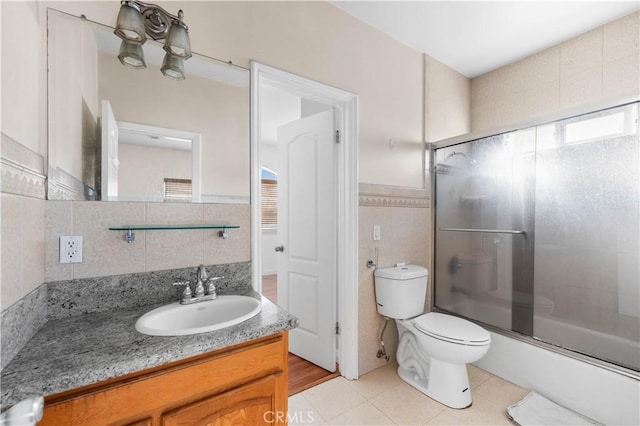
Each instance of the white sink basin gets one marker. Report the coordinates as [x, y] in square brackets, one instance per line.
[179, 320]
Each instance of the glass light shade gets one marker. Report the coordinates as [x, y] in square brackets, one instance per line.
[173, 67]
[131, 55]
[177, 42]
[130, 25]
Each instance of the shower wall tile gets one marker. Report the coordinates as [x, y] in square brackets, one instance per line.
[622, 75]
[581, 53]
[621, 38]
[594, 66]
[542, 98]
[542, 67]
[581, 88]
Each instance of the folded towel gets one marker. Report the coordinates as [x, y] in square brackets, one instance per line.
[537, 410]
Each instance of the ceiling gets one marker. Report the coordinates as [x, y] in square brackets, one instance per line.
[475, 37]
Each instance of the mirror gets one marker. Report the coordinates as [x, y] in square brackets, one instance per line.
[120, 134]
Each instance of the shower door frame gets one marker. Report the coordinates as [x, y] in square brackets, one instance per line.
[469, 137]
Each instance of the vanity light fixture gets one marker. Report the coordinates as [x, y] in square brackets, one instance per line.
[137, 20]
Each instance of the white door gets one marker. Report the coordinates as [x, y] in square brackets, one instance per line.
[307, 235]
[110, 162]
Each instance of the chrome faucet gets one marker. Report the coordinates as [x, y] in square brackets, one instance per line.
[205, 288]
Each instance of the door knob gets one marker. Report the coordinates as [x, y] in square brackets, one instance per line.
[280, 248]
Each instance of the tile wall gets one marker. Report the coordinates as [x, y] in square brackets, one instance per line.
[596, 66]
[107, 253]
[405, 233]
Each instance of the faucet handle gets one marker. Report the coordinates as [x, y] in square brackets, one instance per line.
[187, 288]
[211, 288]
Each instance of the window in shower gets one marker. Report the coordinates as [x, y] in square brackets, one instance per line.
[538, 230]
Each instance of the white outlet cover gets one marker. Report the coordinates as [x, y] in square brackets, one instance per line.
[70, 249]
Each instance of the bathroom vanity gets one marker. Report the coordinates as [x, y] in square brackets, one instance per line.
[245, 383]
[96, 369]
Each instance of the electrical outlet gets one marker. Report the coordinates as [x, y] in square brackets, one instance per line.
[70, 249]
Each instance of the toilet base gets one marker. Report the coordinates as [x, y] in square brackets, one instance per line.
[446, 383]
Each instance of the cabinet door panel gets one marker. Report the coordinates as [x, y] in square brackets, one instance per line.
[250, 404]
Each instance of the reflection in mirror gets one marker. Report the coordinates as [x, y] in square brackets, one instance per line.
[120, 134]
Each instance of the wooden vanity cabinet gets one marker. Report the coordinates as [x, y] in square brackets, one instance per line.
[244, 384]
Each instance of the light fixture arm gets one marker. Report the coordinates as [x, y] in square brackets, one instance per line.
[157, 21]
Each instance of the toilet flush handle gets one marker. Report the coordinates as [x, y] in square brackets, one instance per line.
[280, 248]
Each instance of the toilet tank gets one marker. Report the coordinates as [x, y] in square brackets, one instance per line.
[401, 290]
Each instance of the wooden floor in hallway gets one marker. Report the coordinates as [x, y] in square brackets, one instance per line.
[302, 373]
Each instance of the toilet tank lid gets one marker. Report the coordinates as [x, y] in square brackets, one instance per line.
[402, 272]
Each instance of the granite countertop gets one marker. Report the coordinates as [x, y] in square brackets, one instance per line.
[80, 350]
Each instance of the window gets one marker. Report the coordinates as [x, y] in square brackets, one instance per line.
[177, 190]
[269, 197]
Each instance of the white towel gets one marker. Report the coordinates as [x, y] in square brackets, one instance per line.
[537, 410]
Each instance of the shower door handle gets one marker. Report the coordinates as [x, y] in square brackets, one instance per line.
[486, 231]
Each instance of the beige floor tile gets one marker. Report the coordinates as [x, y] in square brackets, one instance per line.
[407, 406]
[477, 376]
[302, 413]
[499, 393]
[333, 398]
[444, 419]
[490, 402]
[363, 414]
[377, 381]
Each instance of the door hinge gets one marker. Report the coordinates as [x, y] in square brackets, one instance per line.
[337, 136]
[337, 327]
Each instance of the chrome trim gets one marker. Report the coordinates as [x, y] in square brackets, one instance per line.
[485, 231]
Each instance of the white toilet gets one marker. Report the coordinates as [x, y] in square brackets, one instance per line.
[433, 348]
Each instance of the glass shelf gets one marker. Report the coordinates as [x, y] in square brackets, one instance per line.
[169, 227]
[130, 237]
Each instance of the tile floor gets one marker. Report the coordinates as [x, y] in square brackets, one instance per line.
[381, 398]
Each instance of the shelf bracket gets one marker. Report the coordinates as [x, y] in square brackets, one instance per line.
[130, 236]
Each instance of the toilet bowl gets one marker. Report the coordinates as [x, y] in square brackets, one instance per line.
[433, 348]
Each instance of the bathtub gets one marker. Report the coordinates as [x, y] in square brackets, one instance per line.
[602, 394]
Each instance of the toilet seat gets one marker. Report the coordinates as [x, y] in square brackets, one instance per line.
[451, 329]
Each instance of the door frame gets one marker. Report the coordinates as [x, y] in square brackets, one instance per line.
[346, 105]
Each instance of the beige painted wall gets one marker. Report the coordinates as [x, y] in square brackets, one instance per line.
[596, 66]
[143, 169]
[23, 83]
[219, 112]
[73, 94]
[447, 101]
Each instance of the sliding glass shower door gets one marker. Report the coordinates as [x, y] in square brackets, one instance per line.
[538, 231]
[484, 229]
